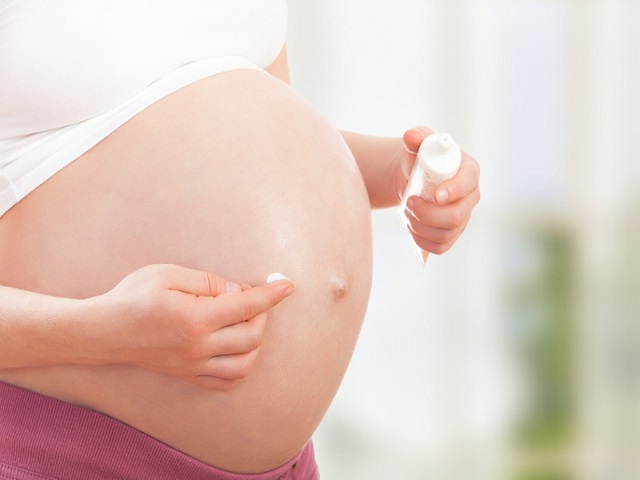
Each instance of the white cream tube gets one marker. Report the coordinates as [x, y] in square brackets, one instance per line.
[438, 159]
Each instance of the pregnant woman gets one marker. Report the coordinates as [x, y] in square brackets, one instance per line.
[156, 167]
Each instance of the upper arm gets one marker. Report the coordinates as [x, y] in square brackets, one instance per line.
[280, 66]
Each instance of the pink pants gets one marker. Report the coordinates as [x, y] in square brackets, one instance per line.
[42, 438]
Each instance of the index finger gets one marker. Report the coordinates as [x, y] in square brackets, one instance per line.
[240, 306]
[461, 184]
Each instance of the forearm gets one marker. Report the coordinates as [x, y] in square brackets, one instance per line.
[40, 330]
[377, 158]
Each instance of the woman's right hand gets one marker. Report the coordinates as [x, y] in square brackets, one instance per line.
[186, 323]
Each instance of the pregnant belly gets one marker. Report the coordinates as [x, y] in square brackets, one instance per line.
[238, 175]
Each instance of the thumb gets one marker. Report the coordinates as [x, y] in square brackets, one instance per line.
[413, 138]
[194, 282]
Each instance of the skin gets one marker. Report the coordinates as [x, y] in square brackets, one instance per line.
[109, 296]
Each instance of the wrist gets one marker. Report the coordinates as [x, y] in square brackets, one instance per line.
[400, 171]
[70, 334]
[94, 325]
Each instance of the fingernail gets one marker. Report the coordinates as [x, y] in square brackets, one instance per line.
[408, 150]
[232, 287]
[410, 204]
[442, 196]
[274, 277]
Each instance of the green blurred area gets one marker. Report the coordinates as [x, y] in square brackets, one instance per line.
[544, 475]
[571, 305]
[539, 299]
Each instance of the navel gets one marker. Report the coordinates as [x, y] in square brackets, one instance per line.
[340, 285]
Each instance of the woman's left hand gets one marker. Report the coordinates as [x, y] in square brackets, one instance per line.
[435, 226]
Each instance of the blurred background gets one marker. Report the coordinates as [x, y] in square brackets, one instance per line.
[516, 355]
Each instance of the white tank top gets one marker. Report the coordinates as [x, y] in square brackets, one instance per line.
[72, 71]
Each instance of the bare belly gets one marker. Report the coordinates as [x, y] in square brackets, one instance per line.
[238, 175]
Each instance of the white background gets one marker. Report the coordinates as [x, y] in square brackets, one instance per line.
[545, 95]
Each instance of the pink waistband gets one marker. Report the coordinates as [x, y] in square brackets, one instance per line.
[43, 438]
